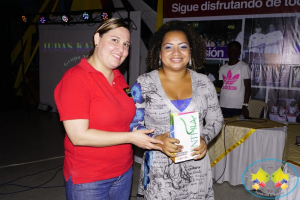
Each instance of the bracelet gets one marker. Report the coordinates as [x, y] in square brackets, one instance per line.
[245, 104]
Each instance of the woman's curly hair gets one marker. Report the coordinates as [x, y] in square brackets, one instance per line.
[197, 45]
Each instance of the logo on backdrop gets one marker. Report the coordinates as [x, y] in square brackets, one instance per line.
[266, 179]
[66, 47]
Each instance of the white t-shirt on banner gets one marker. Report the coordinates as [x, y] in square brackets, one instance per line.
[256, 39]
[233, 89]
[273, 37]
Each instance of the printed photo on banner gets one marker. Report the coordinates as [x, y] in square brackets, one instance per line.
[271, 75]
[284, 105]
[296, 77]
[269, 40]
[217, 35]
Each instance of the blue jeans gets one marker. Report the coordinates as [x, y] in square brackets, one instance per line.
[117, 188]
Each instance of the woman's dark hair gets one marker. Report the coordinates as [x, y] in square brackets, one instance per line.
[106, 26]
[196, 44]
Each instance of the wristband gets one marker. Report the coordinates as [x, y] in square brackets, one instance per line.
[245, 104]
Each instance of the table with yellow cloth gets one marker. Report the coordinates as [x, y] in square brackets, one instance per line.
[246, 142]
[291, 155]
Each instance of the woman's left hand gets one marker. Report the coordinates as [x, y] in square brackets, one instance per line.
[200, 151]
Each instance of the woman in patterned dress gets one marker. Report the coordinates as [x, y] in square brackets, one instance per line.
[174, 54]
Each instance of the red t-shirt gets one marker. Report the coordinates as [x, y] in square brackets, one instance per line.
[85, 93]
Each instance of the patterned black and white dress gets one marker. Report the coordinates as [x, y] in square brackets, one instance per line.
[160, 178]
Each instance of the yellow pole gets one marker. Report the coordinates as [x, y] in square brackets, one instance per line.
[28, 37]
[15, 52]
[159, 14]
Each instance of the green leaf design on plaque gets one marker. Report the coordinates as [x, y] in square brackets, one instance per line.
[194, 127]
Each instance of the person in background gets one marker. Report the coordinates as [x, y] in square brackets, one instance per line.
[292, 109]
[273, 45]
[95, 104]
[255, 45]
[223, 43]
[282, 108]
[212, 43]
[236, 89]
[207, 40]
[173, 86]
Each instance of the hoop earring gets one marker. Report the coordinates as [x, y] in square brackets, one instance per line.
[190, 62]
[159, 62]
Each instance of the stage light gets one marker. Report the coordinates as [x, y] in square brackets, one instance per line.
[85, 16]
[24, 19]
[43, 20]
[65, 18]
[231, 27]
[104, 16]
[195, 24]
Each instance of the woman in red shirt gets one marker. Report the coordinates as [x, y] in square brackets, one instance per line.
[95, 104]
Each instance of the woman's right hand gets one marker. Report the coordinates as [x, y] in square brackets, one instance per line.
[169, 147]
[141, 139]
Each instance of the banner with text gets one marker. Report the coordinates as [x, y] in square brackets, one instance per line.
[196, 8]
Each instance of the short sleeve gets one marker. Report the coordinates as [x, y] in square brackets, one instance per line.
[246, 73]
[220, 74]
[72, 97]
[251, 37]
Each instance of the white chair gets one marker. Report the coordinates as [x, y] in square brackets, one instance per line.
[255, 108]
